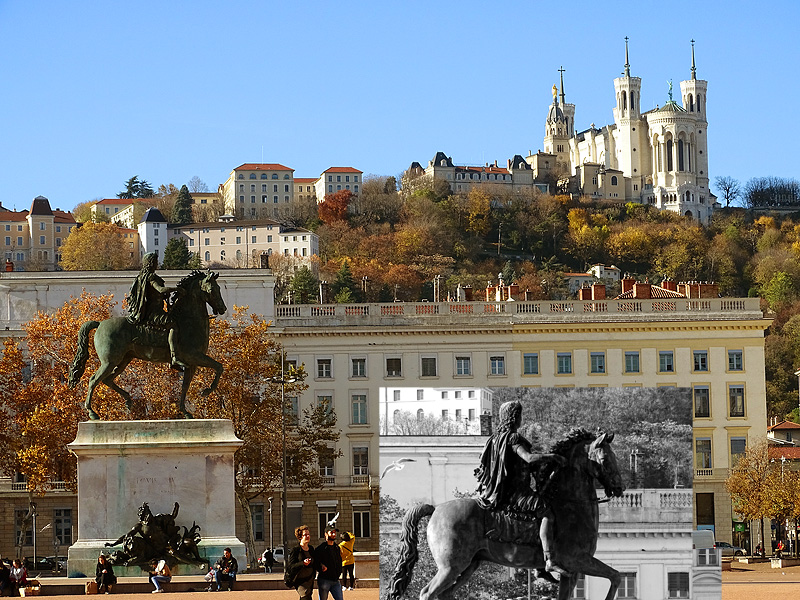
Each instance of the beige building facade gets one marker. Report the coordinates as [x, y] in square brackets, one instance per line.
[258, 190]
[32, 239]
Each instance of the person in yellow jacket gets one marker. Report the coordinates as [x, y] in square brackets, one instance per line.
[348, 560]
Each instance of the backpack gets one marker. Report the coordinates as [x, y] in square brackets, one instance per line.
[288, 579]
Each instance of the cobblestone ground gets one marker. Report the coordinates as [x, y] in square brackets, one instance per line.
[760, 580]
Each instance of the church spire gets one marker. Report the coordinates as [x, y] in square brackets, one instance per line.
[694, 70]
[561, 70]
[627, 62]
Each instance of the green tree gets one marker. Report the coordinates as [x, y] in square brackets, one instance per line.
[182, 209]
[304, 285]
[749, 484]
[344, 288]
[177, 255]
[135, 188]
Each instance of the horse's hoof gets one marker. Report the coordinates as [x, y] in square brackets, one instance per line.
[93, 416]
[187, 415]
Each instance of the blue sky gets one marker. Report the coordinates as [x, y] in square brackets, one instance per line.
[96, 92]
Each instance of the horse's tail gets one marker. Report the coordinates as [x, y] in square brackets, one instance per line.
[404, 566]
[78, 365]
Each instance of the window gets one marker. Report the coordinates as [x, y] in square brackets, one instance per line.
[324, 368]
[471, 414]
[665, 364]
[41, 240]
[707, 557]
[420, 395]
[257, 511]
[735, 362]
[361, 523]
[598, 360]
[428, 364]
[292, 410]
[631, 362]
[701, 361]
[326, 463]
[702, 405]
[445, 414]
[564, 363]
[19, 515]
[678, 585]
[359, 404]
[62, 521]
[736, 397]
[497, 365]
[396, 395]
[738, 448]
[530, 364]
[361, 460]
[8, 240]
[359, 367]
[463, 366]
[394, 367]
[324, 517]
[703, 453]
[444, 395]
[627, 587]
[42, 227]
[458, 414]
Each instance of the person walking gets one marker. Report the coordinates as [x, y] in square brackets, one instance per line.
[300, 566]
[329, 565]
[348, 560]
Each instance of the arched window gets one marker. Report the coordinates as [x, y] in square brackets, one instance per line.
[688, 196]
[691, 103]
[222, 254]
[252, 175]
[624, 100]
[633, 98]
[263, 176]
[698, 103]
[395, 414]
[688, 213]
[669, 155]
[286, 176]
[420, 414]
[208, 256]
[274, 175]
[680, 155]
[241, 176]
[613, 180]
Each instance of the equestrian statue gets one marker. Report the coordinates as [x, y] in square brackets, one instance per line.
[533, 511]
[178, 335]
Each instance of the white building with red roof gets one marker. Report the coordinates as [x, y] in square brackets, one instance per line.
[110, 207]
[336, 179]
[258, 190]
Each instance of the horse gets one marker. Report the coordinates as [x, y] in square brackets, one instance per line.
[457, 530]
[118, 341]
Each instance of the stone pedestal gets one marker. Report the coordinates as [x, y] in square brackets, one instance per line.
[122, 464]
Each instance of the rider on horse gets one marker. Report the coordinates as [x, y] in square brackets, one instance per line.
[504, 477]
[146, 304]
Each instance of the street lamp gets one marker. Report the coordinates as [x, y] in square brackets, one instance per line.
[282, 381]
[271, 545]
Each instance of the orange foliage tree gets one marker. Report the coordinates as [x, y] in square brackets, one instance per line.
[334, 206]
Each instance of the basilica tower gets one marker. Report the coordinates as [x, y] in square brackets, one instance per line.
[693, 94]
[630, 138]
[559, 127]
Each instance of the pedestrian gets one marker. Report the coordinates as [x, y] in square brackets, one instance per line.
[329, 565]
[268, 559]
[226, 569]
[18, 576]
[104, 575]
[300, 566]
[348, 560]
[159, 574]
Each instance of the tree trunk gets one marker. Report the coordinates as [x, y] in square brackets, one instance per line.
[249, 542]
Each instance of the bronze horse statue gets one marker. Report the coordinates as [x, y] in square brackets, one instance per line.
[118, 341]
[457, 531]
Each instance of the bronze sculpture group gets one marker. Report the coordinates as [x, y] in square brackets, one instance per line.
[156, 537]
[178, 336]
[505, 524]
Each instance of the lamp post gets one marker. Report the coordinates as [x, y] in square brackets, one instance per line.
[271, 545]
[282, 381]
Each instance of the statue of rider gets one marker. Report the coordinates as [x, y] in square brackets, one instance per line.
[146, 305]
[504, 477]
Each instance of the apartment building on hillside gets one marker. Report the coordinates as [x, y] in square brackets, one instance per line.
[32, 239]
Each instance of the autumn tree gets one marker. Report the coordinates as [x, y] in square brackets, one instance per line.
[96, 247]
[177, 255]
[136, 188]
[182, 208]
[334, 206]
[252, 395]
[749, 483]
[83, 210]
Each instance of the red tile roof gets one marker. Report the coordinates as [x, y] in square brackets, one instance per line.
[305, 179]
[788, 452]
[262, 167]
[489, 169]
[125, 201]
[342, 170]
[784, 425]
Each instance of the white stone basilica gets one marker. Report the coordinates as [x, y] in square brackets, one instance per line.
[658, 157]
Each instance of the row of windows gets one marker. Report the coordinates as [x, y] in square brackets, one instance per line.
[361, 522]
[677, 586]
[339, 188]
[42, 227]
[472, 414]
[62, 526]
[702, 401]
[530, 364]
[21, 241]
[264, 199]
[346, 178]
[703, 457]
[265, 176]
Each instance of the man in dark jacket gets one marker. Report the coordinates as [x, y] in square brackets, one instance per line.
[226, 569]
[328, 558]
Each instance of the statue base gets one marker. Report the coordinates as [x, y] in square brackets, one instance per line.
[122, 464]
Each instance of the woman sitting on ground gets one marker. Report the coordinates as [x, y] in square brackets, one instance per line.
[19, 576]
[105, 577]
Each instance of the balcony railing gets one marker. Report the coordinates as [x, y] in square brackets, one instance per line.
[398, 313]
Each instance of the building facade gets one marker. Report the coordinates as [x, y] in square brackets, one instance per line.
[336, 179]
[32, 239]
[258, 190]
[462, 407]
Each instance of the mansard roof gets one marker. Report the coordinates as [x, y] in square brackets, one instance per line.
[41, 206]
[441, 156]
[519, 163]
[153, 215]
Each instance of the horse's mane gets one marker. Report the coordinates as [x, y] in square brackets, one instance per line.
[192, 277]
[576, 435]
